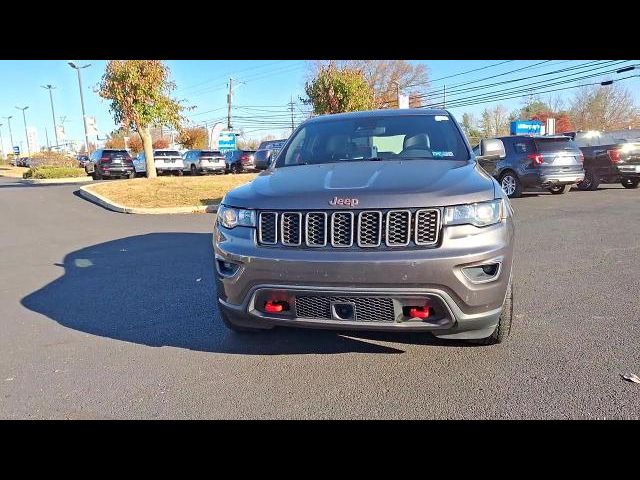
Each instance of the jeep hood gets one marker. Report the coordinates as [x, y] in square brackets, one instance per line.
[375, 184]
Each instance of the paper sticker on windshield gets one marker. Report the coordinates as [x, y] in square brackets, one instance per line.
[441, 118]
[442, 154]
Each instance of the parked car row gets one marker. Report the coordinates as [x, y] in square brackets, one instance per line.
[108, 163]
[556, 162]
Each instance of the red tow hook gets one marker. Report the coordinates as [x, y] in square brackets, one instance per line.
[274, 307]
[420, 312]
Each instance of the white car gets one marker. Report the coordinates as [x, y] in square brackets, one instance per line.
[165, 160]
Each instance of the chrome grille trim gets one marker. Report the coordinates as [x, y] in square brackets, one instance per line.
[386, 228]
[306, 229]
[275, 227]
[438, 226]
[359, 232]
[283, 235]
[333, 220]
[407, 230]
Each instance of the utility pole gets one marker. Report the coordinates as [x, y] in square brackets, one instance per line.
[1, 142]
[229, 100]
[24, 118]
[46, 135]
[53, 113]
[444, 96]
[10, 134]
[84, 117]
[291, 104]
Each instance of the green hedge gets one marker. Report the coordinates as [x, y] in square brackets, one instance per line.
[54, 172]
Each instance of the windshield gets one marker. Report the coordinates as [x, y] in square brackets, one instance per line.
[166, 153]
[375, 138]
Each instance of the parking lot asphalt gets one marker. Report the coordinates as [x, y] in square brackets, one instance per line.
[107, 315]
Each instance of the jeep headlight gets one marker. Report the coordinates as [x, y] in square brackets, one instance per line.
[478, 214]
[230, 217]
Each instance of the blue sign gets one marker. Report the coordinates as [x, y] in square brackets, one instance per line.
[16, 150]
[526, 127]
[226, 142]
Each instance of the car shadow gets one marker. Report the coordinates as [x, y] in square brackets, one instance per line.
[158, 290]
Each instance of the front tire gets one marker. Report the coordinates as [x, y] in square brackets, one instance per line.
[511, 184]
[559, 189]
[503, 329]
[590, 182]
[630, 182]
[235, 327]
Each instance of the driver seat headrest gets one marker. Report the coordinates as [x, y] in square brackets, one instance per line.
[420, 141]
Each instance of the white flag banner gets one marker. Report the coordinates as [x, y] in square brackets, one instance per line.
[91, 126]
[60, 131]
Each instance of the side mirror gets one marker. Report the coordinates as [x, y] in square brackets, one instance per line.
[491, 149]
[263, 161]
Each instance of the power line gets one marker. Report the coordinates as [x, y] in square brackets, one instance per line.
[468, 71]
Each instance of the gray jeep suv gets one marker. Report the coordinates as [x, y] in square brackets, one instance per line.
[378, 220]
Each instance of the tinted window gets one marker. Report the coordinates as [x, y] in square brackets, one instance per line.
[210, 153]
[379, 137]
[115, 153]
[522, 145]
[167, 153]
[544, 145]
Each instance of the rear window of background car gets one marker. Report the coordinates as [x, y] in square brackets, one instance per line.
[169, 153]
[545, 145]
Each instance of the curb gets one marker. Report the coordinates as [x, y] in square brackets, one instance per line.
[106, 203]
[36, 181]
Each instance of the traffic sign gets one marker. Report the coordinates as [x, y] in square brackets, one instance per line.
[16, 150]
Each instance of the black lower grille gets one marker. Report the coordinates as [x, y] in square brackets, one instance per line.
[367, 309]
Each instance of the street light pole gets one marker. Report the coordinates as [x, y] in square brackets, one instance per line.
[24, 118]
[84, 117]
[53, 113]
[1, 142]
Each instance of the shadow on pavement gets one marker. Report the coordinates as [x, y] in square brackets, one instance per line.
[158, 290]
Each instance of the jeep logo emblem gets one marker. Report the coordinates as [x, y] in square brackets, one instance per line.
[344, 202]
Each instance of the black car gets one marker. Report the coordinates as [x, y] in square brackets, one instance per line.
[109, 163]
[608, 159]
[82, 160]
[551, 162]
[239, 161]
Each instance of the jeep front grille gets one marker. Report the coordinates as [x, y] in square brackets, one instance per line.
[367, 309]
[350, 229]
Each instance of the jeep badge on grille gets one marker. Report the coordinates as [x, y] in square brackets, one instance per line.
[346, 202]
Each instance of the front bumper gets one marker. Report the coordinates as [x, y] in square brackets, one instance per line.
[470, 310]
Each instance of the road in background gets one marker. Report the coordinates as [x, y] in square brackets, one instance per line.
[105, 315]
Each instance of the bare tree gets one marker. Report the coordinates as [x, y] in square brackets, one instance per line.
[384, 76]
[604, 108]
[494, 121]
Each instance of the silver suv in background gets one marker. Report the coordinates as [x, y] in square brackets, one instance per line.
[204, 161]
[379, 220]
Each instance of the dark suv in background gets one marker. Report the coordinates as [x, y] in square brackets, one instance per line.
[267, 151]
[107, 163]
[551, 162]
[239, 161]
[608, 159]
